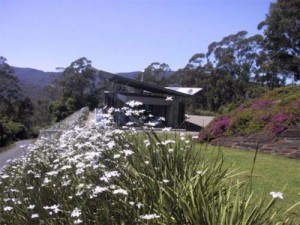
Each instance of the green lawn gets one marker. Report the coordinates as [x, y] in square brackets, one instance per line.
[271, 173]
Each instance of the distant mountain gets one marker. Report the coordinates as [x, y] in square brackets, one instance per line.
[33, 81]
[34, 76]
[132, 75]
[30, 76]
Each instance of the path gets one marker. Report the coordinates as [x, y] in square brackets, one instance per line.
[18, 150]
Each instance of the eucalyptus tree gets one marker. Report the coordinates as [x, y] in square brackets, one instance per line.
[79, 85]
[236, 55]
[225, 72]
[156, 73]
[235, 59]
[15, 109]
[78, 81]
[9, 87]
[281, 28]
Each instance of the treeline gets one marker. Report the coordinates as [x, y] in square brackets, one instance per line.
[78, 86]
[16, 110]
[239, 66]
[236, 68]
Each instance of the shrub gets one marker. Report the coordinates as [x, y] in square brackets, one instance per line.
[11, 131]
[273, 112]
[61, 108]
[281, 121]
[261, 104]
[215, 129]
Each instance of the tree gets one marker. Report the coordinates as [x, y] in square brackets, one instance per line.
[236, 55]
[78, 86]
[15, 110]
[156, 73]
[282, 38]
[224, 72]
[235, 59]
[9, 87]
[79, 82]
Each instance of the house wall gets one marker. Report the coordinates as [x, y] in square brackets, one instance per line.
[173, 111]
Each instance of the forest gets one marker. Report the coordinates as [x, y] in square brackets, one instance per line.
[237, 68]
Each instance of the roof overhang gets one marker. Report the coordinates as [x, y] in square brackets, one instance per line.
[139, 84]
[185, 90]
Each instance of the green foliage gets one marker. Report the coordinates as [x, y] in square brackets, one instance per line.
[201, 112]
[273, 112]
[11, 130]
[62, 108]
[240, 68]
[242, 123]
[281, 30]
[9, 88]
[78, 86]
[15, 110]
[156, 73]
[227, 72]
[267, 175]
[225, 109]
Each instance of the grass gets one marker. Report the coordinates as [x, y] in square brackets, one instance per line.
[271, 173]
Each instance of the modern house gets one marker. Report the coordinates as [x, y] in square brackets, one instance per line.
[164, 106]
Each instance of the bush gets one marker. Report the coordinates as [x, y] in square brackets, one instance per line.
[273, 112]
[215, 129]
[10, 131]
[61, 108]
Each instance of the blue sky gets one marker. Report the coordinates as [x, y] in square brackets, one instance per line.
[119, 35]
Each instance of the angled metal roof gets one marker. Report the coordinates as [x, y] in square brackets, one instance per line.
[139, 84]
[201, 121]
[186, 90]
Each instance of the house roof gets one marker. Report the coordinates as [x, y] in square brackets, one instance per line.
[139, 84]
[201, 121]
[185, 90]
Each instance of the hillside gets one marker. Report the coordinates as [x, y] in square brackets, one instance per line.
[39, 78]
[33, 81]
[34, 77]
[132, 75]
[271, 122]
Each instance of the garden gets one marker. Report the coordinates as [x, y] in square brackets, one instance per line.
[89, 175]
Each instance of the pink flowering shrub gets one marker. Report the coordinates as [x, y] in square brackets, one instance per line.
[215, 129]
[264, 117]
[296, 104]
[277, 123]
[261, 104]
[281, 121]
[274, 112]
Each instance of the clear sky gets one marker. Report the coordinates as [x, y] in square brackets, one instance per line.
[119, 35]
